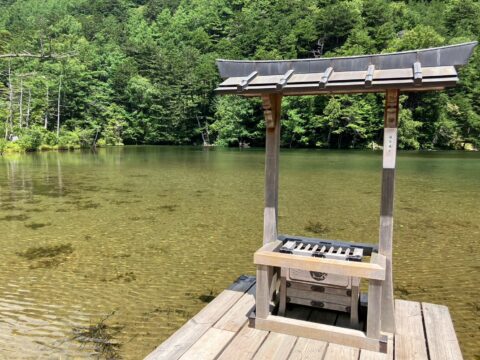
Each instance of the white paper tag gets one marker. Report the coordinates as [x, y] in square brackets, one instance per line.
[389, 148]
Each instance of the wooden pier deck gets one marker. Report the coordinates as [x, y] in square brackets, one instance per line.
[221, 331]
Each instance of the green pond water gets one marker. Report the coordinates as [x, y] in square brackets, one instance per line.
[144, 237]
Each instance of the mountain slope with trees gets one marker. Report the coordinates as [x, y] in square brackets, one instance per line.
[78, 72]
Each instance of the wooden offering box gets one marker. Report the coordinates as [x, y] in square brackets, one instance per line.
[320, 289]
[322, 281]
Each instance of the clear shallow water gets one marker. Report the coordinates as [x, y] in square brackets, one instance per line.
[155, 232]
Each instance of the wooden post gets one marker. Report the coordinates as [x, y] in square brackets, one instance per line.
[271, 109]
[386, 209]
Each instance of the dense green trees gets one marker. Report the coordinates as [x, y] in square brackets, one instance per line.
[143, 71]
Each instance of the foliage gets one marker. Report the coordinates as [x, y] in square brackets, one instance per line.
[144, 71]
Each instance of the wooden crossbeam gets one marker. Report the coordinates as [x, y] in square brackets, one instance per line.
[326, 75]
[417, 73]
[244, 82]
[284, 79]
[369, 76]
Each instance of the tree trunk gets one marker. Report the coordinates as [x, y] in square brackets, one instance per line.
[9, 120]
[20, 117]
[46, 112]
[58, 106]
[27, 120]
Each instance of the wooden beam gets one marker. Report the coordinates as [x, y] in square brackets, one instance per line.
[284, 79]
[316, 331]
[417, 73]
[326, 75]
[375, 301]
[369, 76]
[386, 207]
[330, 266]
[244, 82]
[271, 108]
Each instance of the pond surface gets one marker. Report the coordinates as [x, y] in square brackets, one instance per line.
[127, 244]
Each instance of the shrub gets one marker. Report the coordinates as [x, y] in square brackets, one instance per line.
[3, 146]
[31, 139]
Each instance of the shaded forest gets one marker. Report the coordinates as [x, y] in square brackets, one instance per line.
[74, 73]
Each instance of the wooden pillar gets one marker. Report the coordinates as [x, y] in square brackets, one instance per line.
[265, 275]
[386, 209]
[271, 109]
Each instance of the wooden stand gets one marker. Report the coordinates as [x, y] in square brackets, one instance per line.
[380, 316]
[269, 260]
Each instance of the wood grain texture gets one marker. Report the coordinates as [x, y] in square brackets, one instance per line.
[209, 345]
[245, 344]
[441, 338]
[237, 316]
[337, 352]
[308, 349]
[332, 334]
[276, 346]
[331, 266]
[409, 337]
[271, 106]
[177, 344]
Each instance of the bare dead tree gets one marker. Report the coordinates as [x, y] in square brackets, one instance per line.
[37, 56]
[46, 111]
[27, 120]
[58, 105]
[9, 120]
[20, 102]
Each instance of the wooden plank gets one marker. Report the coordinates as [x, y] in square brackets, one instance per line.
[262, 296]
[441, 338]
[237, 316]
[276, 346]
[375, 301]
[308, 349]
[316, 331]
[319, 296]
[393, 74]
[348, 76]
[409, 336]
[336, 352]
[177, 344]
[439, 71]
[330, 266]
[386, 208]
[209, 345]
[374, 355]
[245, 344]
[271, 106]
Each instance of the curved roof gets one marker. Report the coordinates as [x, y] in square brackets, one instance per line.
[416, 70]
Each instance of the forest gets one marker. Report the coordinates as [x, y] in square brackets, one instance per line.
[82, 73]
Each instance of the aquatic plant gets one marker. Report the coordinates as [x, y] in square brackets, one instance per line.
[206, 298]
[35, 226]
[101, 337]
[169, 208]
[316, 227]
[21, 217]
[47, 251]
[127, 277]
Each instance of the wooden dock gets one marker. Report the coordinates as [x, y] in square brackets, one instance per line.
[221, 331]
